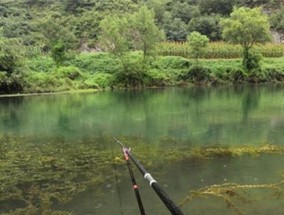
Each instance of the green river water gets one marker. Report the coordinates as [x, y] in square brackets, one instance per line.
[57, 155]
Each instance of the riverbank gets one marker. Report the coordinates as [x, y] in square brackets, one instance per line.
[96, 71]
[51, 93]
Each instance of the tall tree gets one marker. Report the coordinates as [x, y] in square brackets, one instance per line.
[114, 34]
[246, 27]
[56, 37]
[144, 32]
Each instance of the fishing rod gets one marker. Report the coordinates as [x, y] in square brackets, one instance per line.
[135, 186]
[172, 207]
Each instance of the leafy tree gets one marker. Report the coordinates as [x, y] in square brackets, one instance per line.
[87, 27]
[57, 38]
[114, 35]
[207, 25]
[246, 27]
[223, 7]
[10, 54]
[197, 43]
[137, 31]
[118, 6]
[176, 30]
[145, 34]
[159, 7]
[184, 11]
[11, 63]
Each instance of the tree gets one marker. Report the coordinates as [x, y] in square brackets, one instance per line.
[11, 64]
[197, 43]
[223, 7]
[137, 31]
[56, 37]
[114, 34]
[87, 27]
[185, 11]
[159, 7]
[145, 34]
[175, 29]
[246, 27]
[207, 25]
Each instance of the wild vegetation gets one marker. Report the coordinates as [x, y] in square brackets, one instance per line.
[48, 46]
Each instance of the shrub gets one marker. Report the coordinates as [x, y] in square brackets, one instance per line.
[97, 62]
[171, 62]
[238, 75]
[41, 63]
[11, 83]
[158, 78]
[257, 76]
[275, 75]
[70, 72]
[251, 60]
[46, 82]
[197, 74]
[100, 80]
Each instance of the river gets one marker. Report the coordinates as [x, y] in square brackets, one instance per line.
[57, 152]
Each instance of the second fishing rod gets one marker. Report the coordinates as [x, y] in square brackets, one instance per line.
[172, 207]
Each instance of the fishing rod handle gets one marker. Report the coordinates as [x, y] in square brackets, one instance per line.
[153, 183]
[166, 200]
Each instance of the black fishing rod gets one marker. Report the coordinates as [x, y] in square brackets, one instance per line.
[135, 186]
[172, 207]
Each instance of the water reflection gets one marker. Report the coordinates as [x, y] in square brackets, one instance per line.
[251, 98]
[203, 115]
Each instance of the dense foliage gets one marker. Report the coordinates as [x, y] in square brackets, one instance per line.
[50, 20]
[40, 41]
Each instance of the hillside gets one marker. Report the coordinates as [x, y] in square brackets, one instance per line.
[36, 22]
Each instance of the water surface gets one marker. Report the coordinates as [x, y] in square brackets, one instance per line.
[172, 119]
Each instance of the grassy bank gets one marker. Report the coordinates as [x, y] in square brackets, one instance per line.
[94, 71]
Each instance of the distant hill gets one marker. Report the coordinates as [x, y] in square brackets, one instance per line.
[36, 21]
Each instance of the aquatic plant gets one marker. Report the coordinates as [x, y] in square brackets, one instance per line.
[36, 176]
[235, 194]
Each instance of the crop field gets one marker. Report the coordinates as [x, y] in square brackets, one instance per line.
[217, 50]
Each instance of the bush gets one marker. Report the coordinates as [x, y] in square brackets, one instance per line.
[41, 63]
[196, 74]
[251, 60]
[46, 82]
[100, 80]
[11, 83]
[275, 75]
[70, 72]
[257, 76]
[97, 62]
[158, 78]
[134, 73]
[171, 62]
[238, 75]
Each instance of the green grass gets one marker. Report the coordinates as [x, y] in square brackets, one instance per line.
[102, 70]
